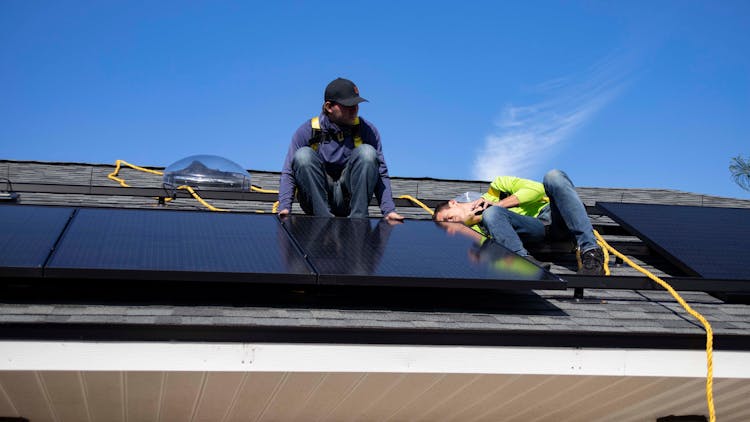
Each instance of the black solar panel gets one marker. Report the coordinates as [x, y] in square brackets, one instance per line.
[27, 236]
[705, 241]
[415, 253]
[178, 245]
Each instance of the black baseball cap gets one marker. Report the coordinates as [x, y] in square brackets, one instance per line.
[344, 92]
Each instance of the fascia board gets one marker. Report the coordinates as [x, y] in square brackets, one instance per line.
[253, 357]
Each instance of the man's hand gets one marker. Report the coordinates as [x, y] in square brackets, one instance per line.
[479, 205]
[394, 217]
[283, 212]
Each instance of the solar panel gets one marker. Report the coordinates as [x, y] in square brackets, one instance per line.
[704, 241]
[178, 245]
[27, 236]
[416, 253]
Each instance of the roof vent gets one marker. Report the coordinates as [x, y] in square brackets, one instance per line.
[208, 172]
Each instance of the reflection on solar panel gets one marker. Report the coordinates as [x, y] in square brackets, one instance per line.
[704, 241]
[28, 234]
[415, 253]
[167, 245]
[127, 244]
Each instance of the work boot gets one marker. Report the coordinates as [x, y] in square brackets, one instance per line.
[591, 262]
[540, 264]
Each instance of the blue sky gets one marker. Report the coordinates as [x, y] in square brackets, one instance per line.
[642, 94]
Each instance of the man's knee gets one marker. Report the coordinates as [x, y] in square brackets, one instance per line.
[555, 178]
[366, 153]
[495, 213]
[304, 157]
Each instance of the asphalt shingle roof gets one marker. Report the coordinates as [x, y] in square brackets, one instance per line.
[233, 312]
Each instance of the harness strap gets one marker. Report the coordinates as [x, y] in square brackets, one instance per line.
[317, 134]
[357, 137]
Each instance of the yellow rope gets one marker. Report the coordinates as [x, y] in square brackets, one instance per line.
[418, 202]
[606, 256]
[261, 190]
[275, 207]
[695, 314]
[199, 199]
[118, 163]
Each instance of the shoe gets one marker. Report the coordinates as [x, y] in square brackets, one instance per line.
[540, 264]
[591, 262]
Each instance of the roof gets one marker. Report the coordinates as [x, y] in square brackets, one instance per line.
[629, 314]
[431, 314]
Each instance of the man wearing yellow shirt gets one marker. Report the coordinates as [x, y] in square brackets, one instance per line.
[516, 210]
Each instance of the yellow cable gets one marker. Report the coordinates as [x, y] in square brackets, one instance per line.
[695, 314]
[118, 163]
[199, 199]
[418, 202]
[606, 256]
[261, 190]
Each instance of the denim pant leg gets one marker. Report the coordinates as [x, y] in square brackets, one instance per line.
[312, 184]
[508, 228]
[568, 212]
[359, 178]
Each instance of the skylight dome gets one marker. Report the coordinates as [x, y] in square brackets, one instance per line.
[209, 172]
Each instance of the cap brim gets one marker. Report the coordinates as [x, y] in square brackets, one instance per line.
[351, 101]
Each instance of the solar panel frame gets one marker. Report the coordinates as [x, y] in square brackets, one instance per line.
[136, 244]
[684, 236]
[29, 234]
[374, 252]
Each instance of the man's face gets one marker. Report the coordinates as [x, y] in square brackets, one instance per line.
[341, 114]
[459, 212]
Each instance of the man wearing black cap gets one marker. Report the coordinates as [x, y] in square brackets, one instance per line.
[335, 161]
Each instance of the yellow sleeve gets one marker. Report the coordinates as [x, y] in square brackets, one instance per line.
[524, 189]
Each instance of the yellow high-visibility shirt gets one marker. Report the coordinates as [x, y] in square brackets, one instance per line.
[530, 194]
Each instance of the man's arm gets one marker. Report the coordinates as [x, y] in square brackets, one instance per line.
[520, 191]
[482, 204]
[287, 183]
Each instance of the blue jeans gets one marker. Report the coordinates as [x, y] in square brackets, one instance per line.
[511, 230]
[566, 217]
[349, 196]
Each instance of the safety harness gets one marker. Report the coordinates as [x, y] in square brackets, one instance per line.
[318, 135]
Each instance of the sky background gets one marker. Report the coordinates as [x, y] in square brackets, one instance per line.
[635, 94]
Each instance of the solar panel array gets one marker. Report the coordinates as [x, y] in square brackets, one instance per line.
[126, 244]
[27, 237]
[107, 243]
[415, 253]
[703, 241]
